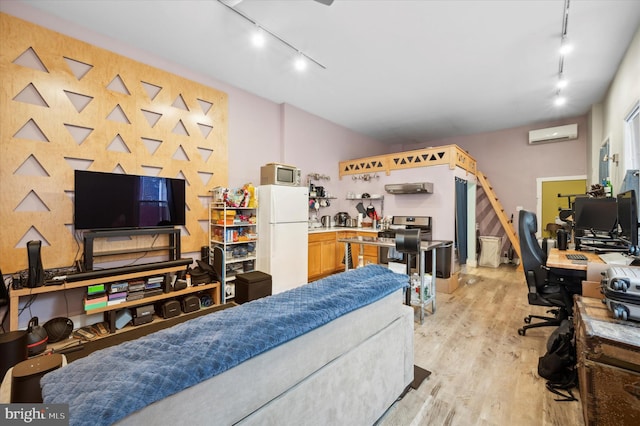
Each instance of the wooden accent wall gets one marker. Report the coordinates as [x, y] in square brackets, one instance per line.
[68, 105]
[452, 155]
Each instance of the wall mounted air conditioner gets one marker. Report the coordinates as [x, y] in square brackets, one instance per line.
[553, 134]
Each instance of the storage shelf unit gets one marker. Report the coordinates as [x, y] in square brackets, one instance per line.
[232, 243]
[213, 289]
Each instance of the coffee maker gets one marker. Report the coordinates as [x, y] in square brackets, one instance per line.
[341, 218]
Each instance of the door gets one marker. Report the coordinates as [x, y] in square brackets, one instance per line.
[556, 194]
[603, 162]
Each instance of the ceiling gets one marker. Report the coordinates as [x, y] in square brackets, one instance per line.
[397, 71]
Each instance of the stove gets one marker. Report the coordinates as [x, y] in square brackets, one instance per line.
[423, 223]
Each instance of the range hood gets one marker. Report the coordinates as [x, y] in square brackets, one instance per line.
[409, 188]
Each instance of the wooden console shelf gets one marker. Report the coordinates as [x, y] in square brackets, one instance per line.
[215, 296]
[14, 295]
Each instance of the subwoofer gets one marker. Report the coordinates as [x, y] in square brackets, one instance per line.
[13, 347]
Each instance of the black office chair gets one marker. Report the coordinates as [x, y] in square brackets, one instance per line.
[546, 287]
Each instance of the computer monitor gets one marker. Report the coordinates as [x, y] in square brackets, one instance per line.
[595, 216]
[628, 217]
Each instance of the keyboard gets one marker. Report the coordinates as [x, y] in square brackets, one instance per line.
[576, 257]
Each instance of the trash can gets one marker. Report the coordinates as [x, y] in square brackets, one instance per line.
[490, 251]
[443, 260]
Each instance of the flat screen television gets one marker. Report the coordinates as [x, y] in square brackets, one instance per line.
[119, 201]
[595, 216]
[628, 217]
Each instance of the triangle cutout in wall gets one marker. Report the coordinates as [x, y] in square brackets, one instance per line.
[151, 170]
[79, 134]
[151, 89]
[30, 95]
[180, 103]
[118, 145]
[205, 177]
[179, 129]
[180, 154]
[152, 145]
[32, 203]
[78, 163]
[119, 170]
[205, 106]
[31, 131]
[205, 153]
[31, 167]
[30, 59]
[205, 130]
[118, 115]
[78, 69]
[117, 85]
[79, 101]
[31, 234]
[181, 175]
[152, 117]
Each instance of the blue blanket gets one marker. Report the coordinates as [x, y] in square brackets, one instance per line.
[112, 383]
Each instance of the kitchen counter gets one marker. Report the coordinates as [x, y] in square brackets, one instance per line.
[342, 229]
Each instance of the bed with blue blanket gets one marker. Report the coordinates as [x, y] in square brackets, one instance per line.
[335, 351]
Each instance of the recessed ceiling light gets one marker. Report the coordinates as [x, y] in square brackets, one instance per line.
[565, 46]
[559, 101]
[257, 38]
[562, 83]
[300, 63]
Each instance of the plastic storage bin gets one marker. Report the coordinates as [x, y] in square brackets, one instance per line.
[490, 251]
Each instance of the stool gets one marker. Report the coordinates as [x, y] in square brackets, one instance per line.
[252, 286]
[25, 377]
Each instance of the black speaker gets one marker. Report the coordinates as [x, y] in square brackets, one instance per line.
[13, 347]
[204, 254]
[563, 238]
[36, 272]
[166, 284]
[25, 378]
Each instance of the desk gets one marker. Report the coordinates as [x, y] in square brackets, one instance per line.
[558, 259]
[425, 246]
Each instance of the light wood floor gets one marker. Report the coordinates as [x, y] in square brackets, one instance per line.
[483, 372]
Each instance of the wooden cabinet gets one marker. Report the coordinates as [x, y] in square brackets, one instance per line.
[322, 255]
[608, 365]
[370, 252]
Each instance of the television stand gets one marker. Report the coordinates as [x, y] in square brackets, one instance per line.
[159, 268]
[89, 254]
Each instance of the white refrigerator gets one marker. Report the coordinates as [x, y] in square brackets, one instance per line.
[283, 235]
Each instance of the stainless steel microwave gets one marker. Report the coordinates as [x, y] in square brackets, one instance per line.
[279, 174]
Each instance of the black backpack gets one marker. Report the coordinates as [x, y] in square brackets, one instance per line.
[558, 365]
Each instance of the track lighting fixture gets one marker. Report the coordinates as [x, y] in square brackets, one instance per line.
[565, 48]
[302, 59]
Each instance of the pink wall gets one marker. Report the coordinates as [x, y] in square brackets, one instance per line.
[512, 165]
